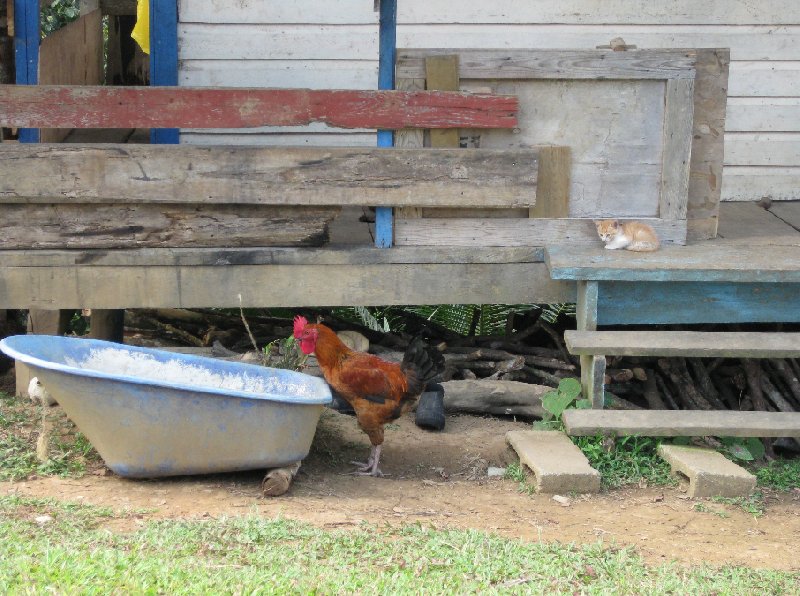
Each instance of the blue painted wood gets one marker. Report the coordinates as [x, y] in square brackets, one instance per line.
[164, 57]
[387, 44]
[27, 33]
[653, 303]
[700, 262]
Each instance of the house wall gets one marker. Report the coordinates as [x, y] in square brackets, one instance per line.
[252, 43]
[326, 45]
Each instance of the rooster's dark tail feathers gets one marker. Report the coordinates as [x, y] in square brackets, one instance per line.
[422, 364]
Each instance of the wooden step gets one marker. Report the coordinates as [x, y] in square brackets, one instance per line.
[682, 423]
[684, 343]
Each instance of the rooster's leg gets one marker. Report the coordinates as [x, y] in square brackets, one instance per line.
[370, 467]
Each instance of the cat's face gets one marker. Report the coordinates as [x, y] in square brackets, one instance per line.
[607, 229]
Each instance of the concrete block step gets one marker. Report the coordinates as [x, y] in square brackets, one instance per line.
[558, 465]
[710, 474]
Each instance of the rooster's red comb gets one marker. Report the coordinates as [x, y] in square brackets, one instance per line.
[300, 323]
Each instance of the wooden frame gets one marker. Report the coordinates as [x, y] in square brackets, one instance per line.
[676, 68]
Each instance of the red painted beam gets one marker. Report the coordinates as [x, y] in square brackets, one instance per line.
[56, 106]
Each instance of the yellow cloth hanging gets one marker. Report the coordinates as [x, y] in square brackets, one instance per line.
[141, 31]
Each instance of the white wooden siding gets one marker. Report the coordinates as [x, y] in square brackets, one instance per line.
[762, 141]
[252, 43]
[335, 45]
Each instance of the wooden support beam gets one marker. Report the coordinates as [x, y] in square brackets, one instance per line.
[552, 197]
[288, 176]
[292, 286]
[441, 74]
[682, 423]
[54, 106]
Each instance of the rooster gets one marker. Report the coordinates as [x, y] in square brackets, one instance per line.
[379, 391]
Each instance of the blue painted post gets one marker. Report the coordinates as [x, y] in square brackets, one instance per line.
[164, 57]
[387, 43]
[26, 53]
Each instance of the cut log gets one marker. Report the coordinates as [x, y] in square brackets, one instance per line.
[503, 398]
[651, 393]
[785, 371]
[278, 480]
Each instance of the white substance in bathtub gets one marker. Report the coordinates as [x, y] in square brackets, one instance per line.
[145, 366]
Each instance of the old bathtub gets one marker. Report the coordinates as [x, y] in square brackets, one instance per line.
[155, 413]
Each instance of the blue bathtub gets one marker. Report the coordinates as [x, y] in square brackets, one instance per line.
[153, 413]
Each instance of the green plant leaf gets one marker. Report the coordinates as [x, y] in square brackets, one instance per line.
[556, 402]
[739, 451]
[570, 387]
[583, 404]
[755, 447]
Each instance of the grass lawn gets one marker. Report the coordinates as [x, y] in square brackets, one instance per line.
[51, 546]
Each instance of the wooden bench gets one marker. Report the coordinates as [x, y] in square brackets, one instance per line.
[123, 226]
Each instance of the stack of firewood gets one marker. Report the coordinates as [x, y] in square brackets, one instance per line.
[534, 355]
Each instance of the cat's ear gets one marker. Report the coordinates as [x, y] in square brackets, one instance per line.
[598, 224]
[614, 224]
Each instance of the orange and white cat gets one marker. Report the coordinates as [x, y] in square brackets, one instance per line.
[630, 235]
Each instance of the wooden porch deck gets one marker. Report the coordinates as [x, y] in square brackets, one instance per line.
[755, 246]
[750, 274]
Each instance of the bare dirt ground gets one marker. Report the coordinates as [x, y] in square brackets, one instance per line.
[439, 479]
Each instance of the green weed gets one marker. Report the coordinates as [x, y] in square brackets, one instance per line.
[626, 460]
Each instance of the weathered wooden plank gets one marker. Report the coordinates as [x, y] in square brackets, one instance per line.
[222, 257]
[680, 302]
[697, 344]
[678, 113]
[555, 64]
[707, 146]
[201, 41]
[282, 139]
[747, 42]
[290, 286]
[751, 183]
[266, 175]
[131, 225]
[767, 149]
[699, 262]
[194, 107]
[516, 232]
[587, 12]
[682, 423]
[552, 188]
[764, 114]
